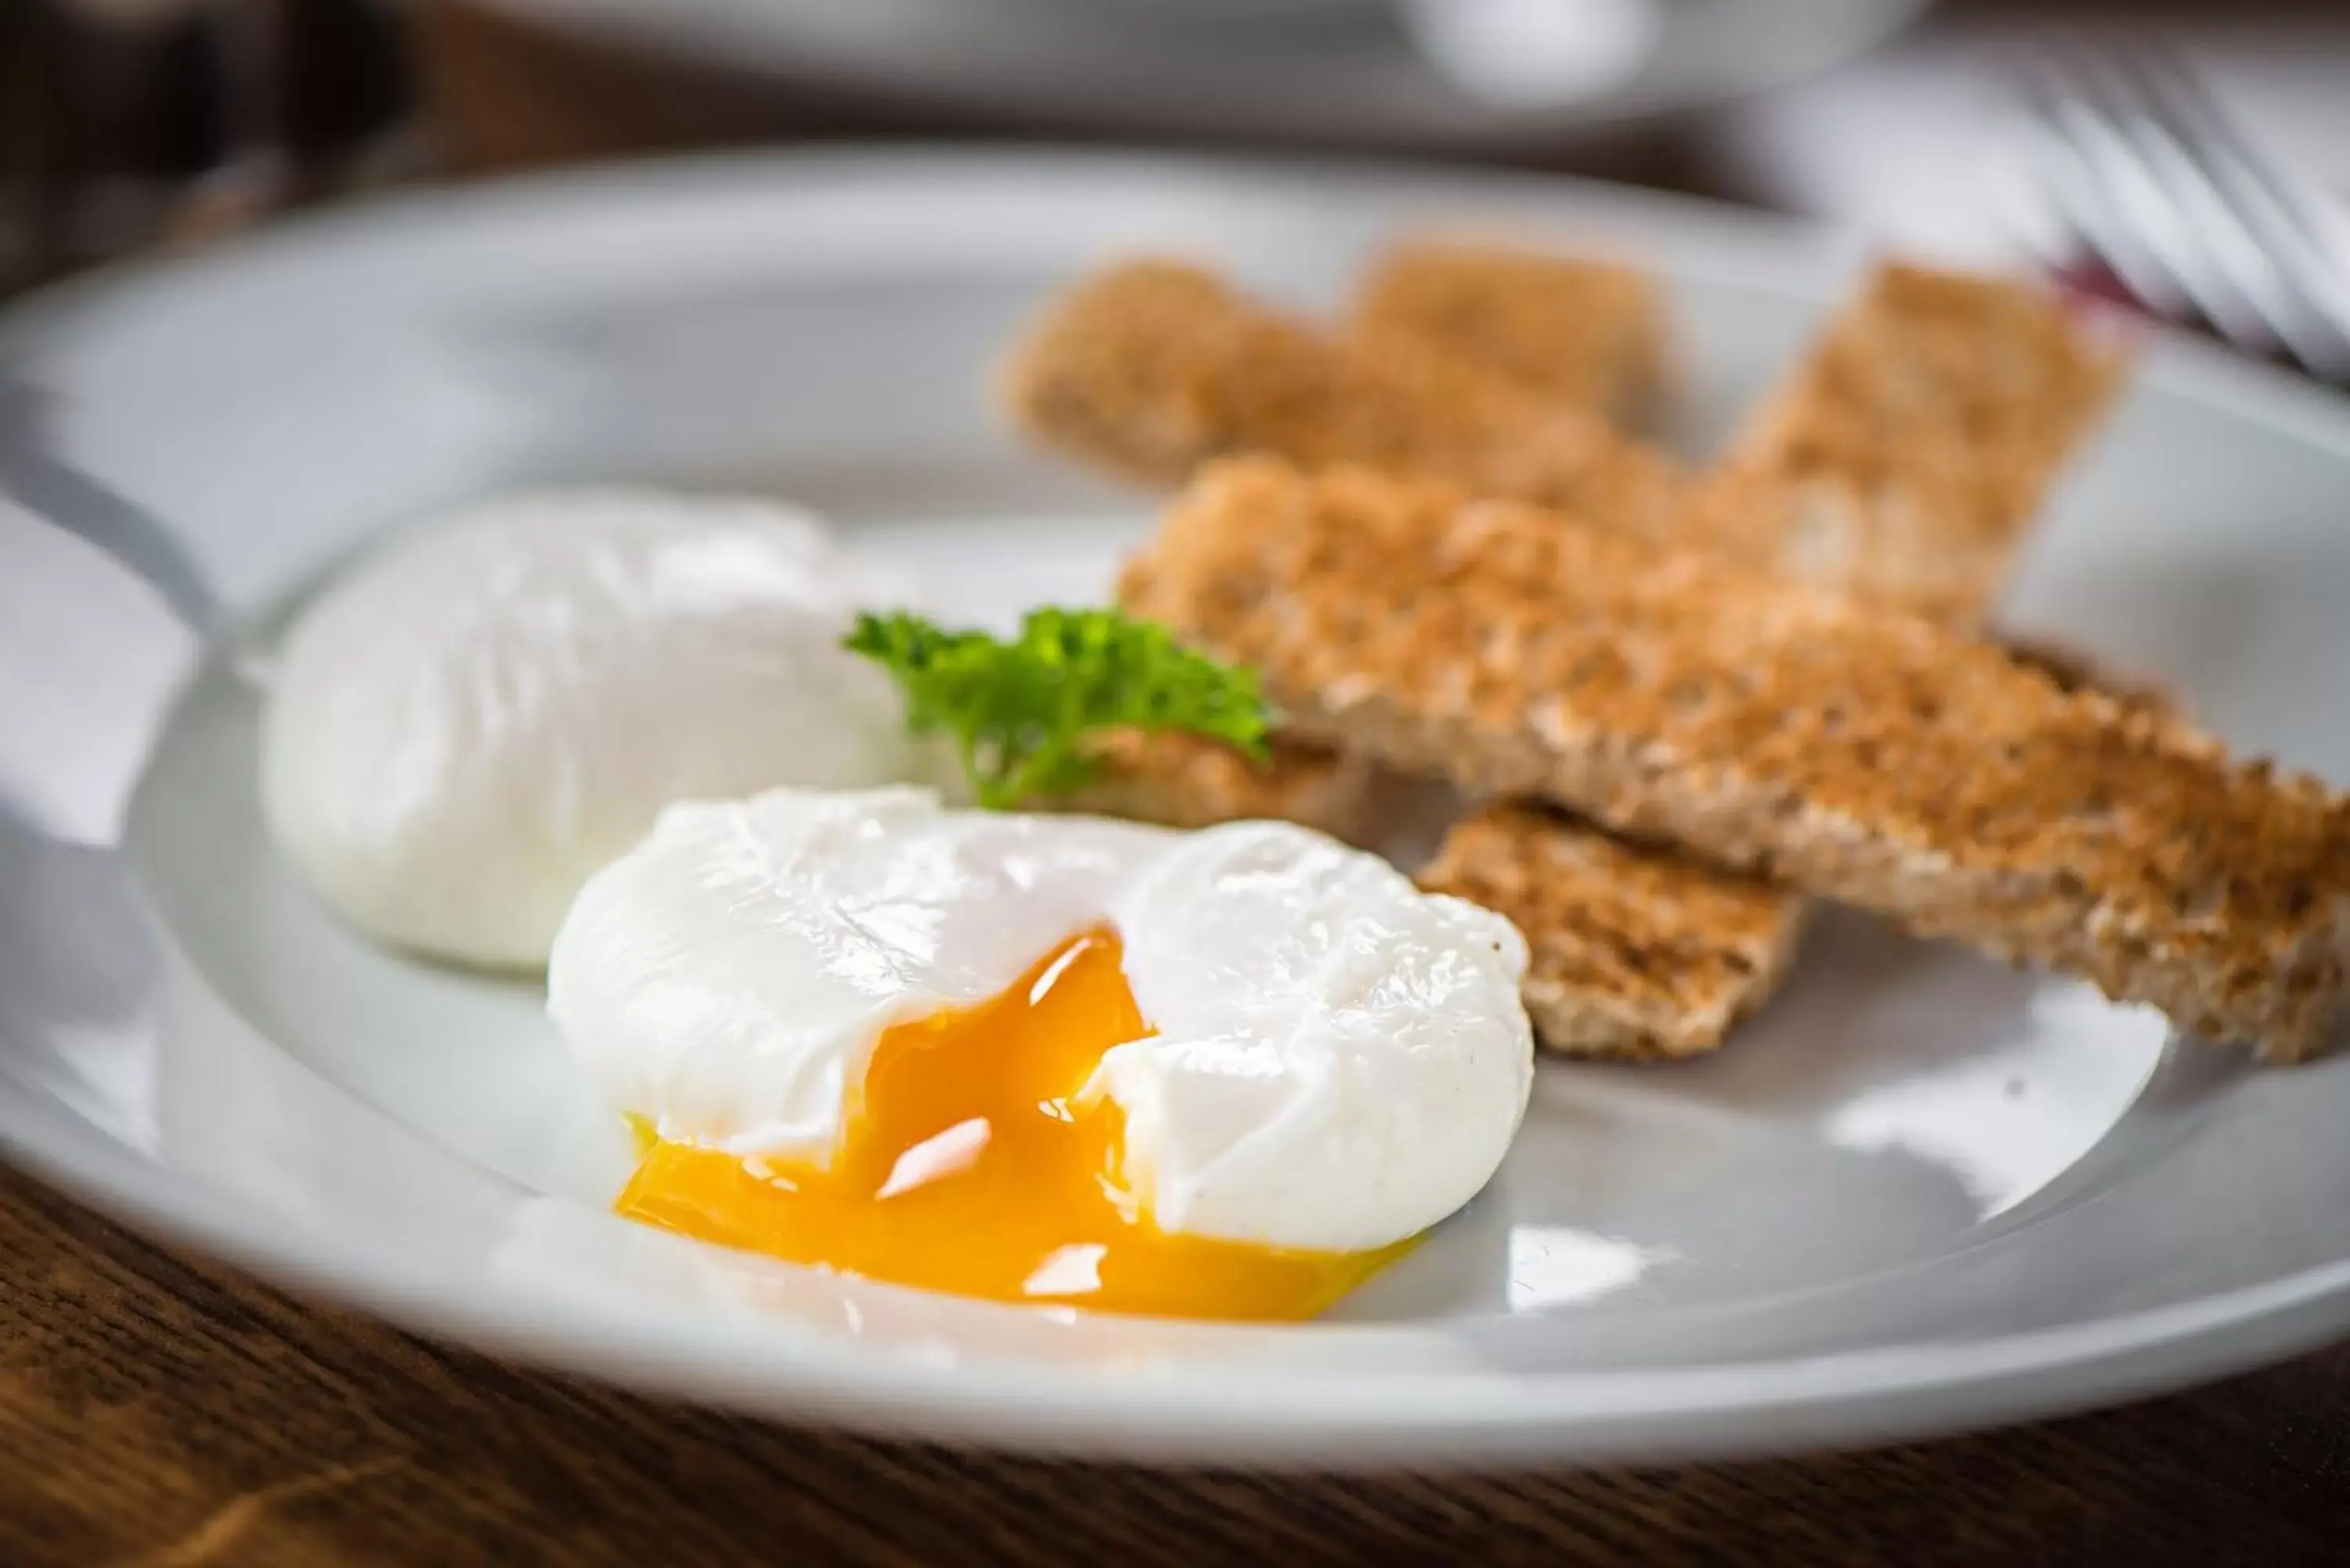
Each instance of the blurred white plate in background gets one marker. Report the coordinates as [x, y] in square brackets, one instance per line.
[1455, 73]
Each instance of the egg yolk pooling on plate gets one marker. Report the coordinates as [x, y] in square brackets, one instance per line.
[975, 1161]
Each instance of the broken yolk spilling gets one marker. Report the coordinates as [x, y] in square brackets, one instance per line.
[970, 1164]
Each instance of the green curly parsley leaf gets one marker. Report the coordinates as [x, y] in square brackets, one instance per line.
[1024, 713]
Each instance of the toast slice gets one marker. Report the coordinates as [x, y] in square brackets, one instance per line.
[1574, 330]
[1666, 970]
[1153, 367]
[1772, 727]
[1909, 452]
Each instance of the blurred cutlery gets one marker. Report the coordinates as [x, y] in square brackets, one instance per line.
[2138, 167]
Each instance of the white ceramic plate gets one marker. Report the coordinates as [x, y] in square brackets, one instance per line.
[1485, 73]
[1923, 1191]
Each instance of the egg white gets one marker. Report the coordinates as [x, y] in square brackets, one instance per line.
[474, 719]
[1340, 1060]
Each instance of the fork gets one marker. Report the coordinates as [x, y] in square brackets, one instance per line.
[2138, 167]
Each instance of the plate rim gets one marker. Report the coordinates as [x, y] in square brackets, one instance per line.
[1325, 1418]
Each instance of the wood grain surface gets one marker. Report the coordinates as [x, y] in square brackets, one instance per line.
[158, 1410]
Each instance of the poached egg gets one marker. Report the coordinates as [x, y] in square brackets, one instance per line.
[477, 717]
[1047, 1059]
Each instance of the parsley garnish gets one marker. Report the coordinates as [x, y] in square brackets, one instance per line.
[1023, 713]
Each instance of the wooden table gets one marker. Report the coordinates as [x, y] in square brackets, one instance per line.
[158, 1410]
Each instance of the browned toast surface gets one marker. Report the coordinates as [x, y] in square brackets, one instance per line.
[1637, 952]
[1774, 727]
[1909, 452]
[1904, 455]
[1153, 367]
[1577, 330]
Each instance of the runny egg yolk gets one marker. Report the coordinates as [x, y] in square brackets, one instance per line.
[970, 1164]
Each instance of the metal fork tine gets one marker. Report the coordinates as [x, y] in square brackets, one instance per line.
[2254, 210]
[2180, 208]
[2290, 227]
[2186, 221]
[2082, 193]
[2188, 99]
[2267, 311]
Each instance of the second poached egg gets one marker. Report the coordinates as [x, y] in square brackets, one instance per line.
[479, 716]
